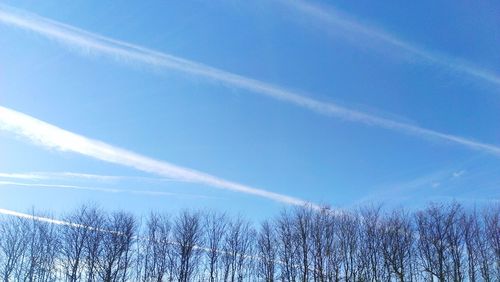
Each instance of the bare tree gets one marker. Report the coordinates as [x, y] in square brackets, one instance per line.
[115, 251]
[348, 236]
[370, 261]
[435, 228]
[302, 233]
[73, 239]
[455, 240]
[237, 249]
[319, 244]
[188, 237]
[332, 251]
[492, 235]
[397, 245]
[246, 250]
[431, 245]
[267, 252]
[14, 232]
[41, 250]
[215, 231]
[287, 250]
[96, 220]
[156, 248]
[50, 245]
[471, 239]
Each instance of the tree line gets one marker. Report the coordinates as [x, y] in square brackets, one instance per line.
[441, 242]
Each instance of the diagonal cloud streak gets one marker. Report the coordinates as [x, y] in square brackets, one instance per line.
[53, 137]
[120, 50]
[41, 175]
[99, 189]
[51, 220]
[37, 218]
[330, 17]
[25, 176]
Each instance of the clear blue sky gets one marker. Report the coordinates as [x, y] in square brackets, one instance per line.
[428, 65]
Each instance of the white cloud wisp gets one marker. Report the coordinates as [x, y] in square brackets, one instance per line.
[37, 218]
[100, 189]
[46, 175]
[50, 136]
[90, 42]
[332, 18]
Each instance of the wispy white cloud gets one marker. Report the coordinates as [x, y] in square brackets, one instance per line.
[43, 175]
[26, 176]
[51, 220]
[37, 218]
[458, 174]
[100, 189]
[101, 177]
[94, 43]
[455, 181]
[53, 137]
[406, 189]
[331, 18]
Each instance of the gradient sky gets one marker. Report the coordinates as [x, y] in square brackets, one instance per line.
[417, 85]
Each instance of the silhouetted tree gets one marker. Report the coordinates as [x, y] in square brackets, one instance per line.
[492, 235]
[436, 229]
[73, 239]
[156, 249]
[14, 239]
[215, 231]
[472, 231]
[287, 247]
[187, 239]
[302, 234]
[397, 239]
[237, 249]
[348, 230]
[95, 219]
[267, 252]
[115, 251]
[371, 267]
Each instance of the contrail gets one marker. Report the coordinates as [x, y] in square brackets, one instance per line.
[99, 189]
[332, 18]
[37, 218]
[52, 220]
[53, 137]
[43, 175]
[91, 42]
[26, 176]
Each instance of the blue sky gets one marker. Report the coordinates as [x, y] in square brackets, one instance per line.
[335, 103]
